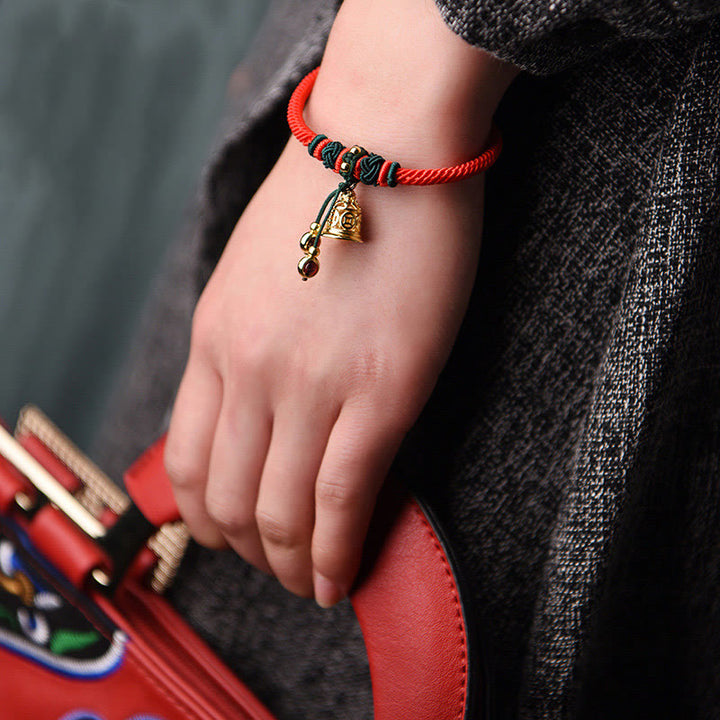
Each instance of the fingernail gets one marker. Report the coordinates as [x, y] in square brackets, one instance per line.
[327, 593]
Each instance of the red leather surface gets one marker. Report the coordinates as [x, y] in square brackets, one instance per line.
[51, 463]
[149, 485]
[409, 610]
[66, 547]
[169, 636]
[143, 686]
[162, 670]
[11, 482]
[31, 692]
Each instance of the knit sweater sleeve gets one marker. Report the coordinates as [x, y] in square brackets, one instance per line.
[546, 36]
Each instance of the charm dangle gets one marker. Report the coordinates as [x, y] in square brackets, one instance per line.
[339, 217]
[310, 244]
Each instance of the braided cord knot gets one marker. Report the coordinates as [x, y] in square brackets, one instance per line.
[330, 153]
[373, 169]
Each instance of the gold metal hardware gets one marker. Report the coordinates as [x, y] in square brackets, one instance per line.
[98, 489]
[24, 501]
[169, 544]
[101, 577]
[345, 219]
[18, 456]
[99, 492]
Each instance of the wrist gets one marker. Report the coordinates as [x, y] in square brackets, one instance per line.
[420, 95]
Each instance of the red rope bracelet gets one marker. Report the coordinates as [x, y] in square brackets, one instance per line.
[318, 146]
[340, 215]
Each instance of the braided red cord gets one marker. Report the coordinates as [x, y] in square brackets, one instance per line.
[404, 176]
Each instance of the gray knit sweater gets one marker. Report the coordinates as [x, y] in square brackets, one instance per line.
[577, 424]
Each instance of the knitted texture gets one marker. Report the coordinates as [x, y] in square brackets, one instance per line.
[576, 428]
[547, 37]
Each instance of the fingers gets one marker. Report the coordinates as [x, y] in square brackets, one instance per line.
[285, 511]
[189, 444]
[241, 444]
[291, 493]
[356, 461]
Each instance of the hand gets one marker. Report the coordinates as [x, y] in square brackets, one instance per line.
[297, 394]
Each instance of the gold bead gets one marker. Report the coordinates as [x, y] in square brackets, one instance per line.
[344, 167]
[314, 228]
[306, 240]
[357, 150]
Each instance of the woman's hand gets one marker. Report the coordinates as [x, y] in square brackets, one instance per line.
[297, 394]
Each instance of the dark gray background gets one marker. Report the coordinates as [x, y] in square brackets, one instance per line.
[107, 113]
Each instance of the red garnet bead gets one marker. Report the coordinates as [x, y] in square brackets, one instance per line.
[308, 267]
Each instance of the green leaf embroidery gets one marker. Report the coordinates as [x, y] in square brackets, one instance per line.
[66, 641]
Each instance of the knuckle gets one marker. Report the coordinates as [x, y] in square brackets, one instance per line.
[230, 520]
[250, 348]
[390, 389]
[302, 373]
[396, 403]
[278, 533]
[183, 471]
[369, 367]
[332, 494]
[248, 356]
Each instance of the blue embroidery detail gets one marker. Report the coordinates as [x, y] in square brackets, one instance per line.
[37, 622]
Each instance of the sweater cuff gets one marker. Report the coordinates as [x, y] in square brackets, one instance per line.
[547, 37]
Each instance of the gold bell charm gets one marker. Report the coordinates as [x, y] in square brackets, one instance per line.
[345, 218]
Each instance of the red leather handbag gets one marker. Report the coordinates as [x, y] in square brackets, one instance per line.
[85, 633]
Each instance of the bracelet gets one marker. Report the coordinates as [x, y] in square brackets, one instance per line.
[340, 214]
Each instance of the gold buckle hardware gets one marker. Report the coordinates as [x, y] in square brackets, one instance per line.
[98, 492]
[45, 483]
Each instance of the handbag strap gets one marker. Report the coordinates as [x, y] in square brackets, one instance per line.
[408, 598]
[421, 650]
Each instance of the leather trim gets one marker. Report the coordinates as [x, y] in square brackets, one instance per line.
[51, 463]
[409, 607]
[65, 546]
[480, 696]
[149, 485]
[178, 646]
[11, 483]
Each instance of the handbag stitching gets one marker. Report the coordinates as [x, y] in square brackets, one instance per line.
[460, 713]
